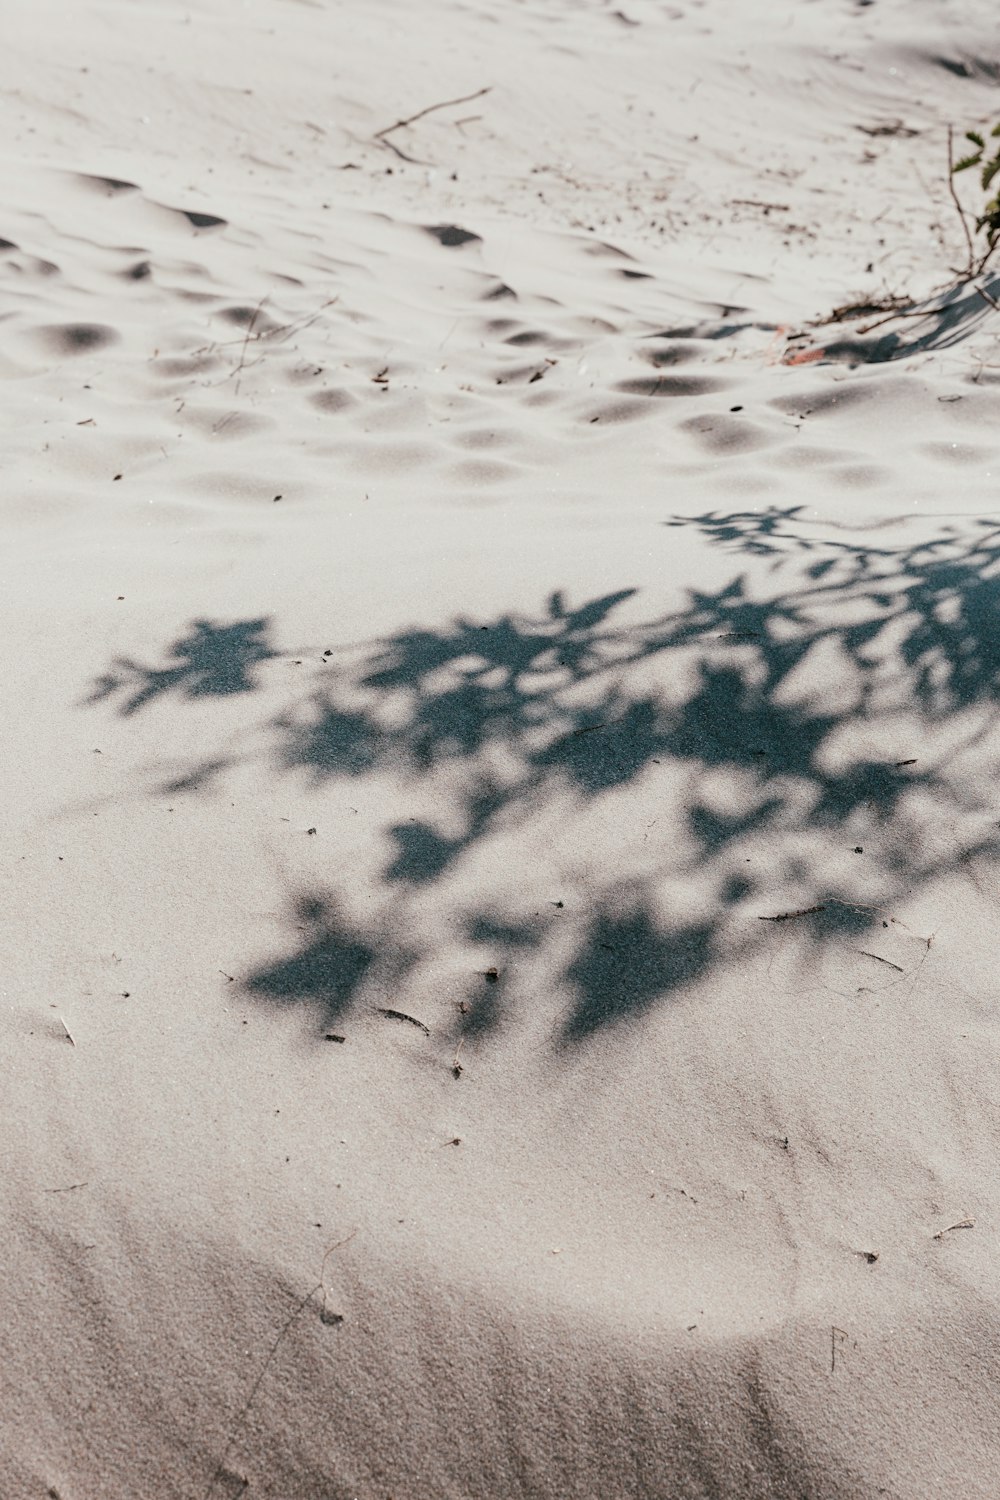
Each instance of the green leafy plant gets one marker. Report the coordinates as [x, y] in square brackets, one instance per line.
[987, 222]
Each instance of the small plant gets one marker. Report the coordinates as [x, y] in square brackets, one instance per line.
[956, 303]
[987, 222]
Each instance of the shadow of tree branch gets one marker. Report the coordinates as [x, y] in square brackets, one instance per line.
[772, 718]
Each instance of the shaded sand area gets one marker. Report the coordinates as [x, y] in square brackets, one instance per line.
[499, 835]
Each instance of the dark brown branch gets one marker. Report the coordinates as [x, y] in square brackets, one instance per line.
[958, 207]
[382, 136]
[402, 154]
[786, 916]
[880, 960]
[400, 1015]
[243, 352]
[920, 312]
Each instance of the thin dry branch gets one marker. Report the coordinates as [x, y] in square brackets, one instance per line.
[400, 1015]
[404, 156]
[297, 325]
[382, 136]
[962, 1224]
[880, 960]
[786, 916]
[326, 1315]
[971, 262]
[295, 1314]
[919, 312]
[279, 334]
[246, 340]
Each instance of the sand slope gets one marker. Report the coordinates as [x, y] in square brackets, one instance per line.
[499, 835]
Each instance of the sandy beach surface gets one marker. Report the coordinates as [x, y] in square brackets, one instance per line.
[500, 830]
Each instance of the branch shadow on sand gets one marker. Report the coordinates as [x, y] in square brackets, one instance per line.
[767, 725]
[208, 661]
[945, 320]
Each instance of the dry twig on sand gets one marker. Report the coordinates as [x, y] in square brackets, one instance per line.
[786, 916]
[962, 1224]
[880, 960]
[279, 333]
[243, 351]
[325, 1314]
[293, 1317]
[834, 1331]
[382, 136]
[400, 1015]
[970, 262]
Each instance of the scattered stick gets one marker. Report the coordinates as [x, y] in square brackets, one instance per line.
[845, 314]
[865, 954]
[786, 916]
[962, 1224]
[910, 310]
[590, 728]
[456, 1066]
[70, 1189]
[404, 156]
[970, 264]
[890, 127]
[325, 1315]
[382, 135]
[297, 325]
[758, 203]
[296, 1313]
[400, 1015]
[911, 762]
[920, 312]
[848, 311]
[246, 340]
[833, 1345]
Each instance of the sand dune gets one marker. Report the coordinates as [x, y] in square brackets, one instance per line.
[500, 753]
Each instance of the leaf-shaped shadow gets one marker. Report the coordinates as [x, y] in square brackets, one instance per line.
[327, 968]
